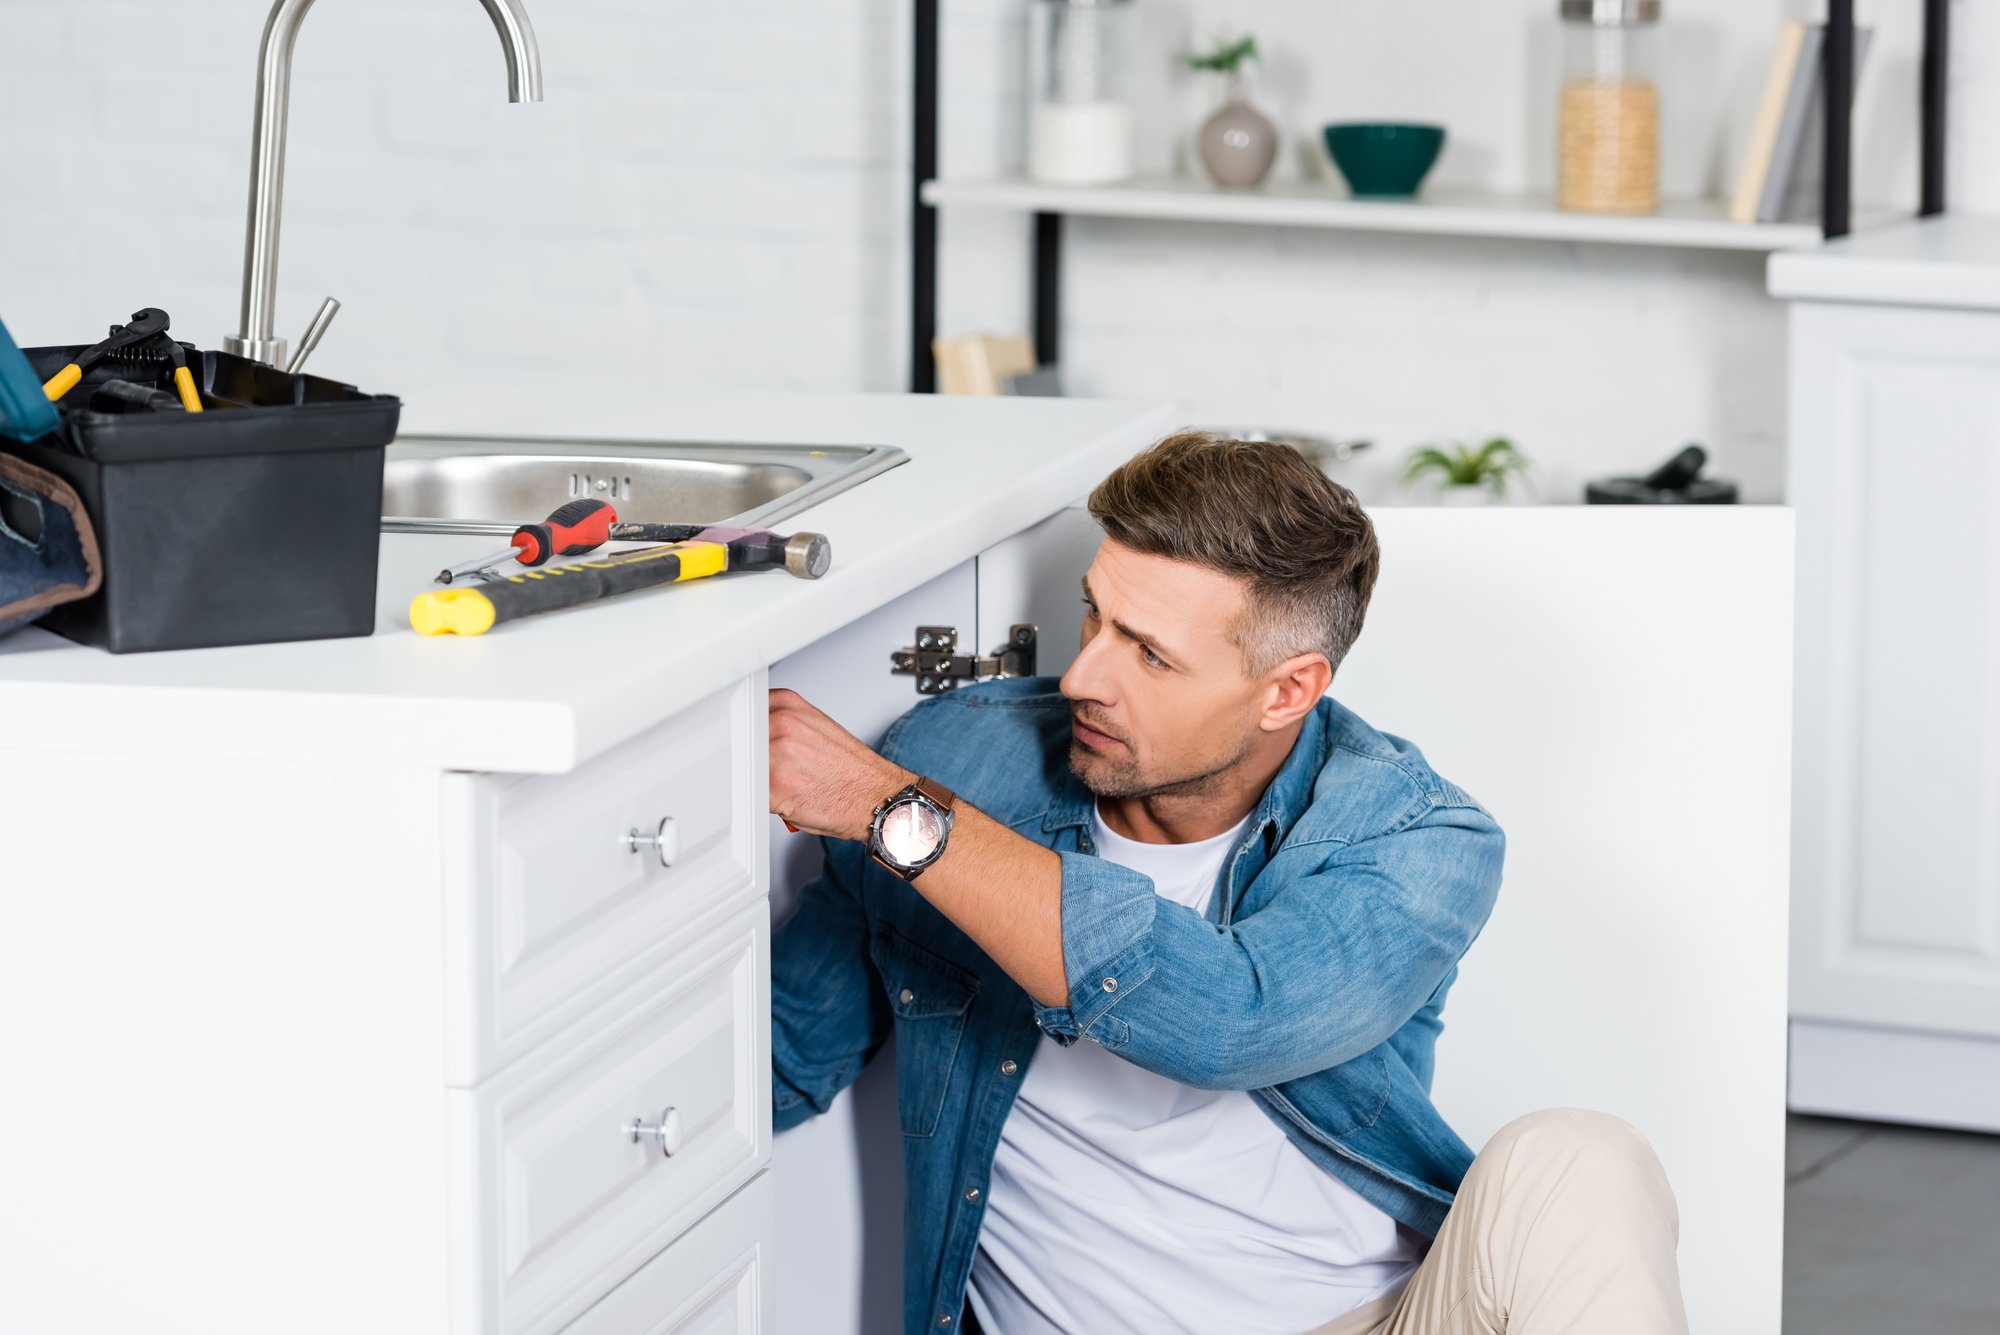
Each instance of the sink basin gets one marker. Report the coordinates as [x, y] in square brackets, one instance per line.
[491, 485]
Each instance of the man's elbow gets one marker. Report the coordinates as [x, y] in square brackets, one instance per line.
[1234, 1057]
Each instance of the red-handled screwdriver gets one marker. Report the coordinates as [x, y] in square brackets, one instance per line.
[570, 530]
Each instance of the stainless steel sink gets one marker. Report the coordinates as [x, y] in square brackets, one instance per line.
[491, 485]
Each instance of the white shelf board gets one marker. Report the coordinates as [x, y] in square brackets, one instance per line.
[1694, 224]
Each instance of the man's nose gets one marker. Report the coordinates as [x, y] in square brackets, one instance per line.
[1087, 678]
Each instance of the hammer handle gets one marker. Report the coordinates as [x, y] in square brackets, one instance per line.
[470, 610]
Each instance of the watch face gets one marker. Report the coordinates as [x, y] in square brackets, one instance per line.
[911, 832]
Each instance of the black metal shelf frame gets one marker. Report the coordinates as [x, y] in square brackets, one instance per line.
[1836, 180]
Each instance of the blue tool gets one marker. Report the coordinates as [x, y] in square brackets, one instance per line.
[25, 410]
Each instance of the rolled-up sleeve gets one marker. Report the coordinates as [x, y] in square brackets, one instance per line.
[1356, 938]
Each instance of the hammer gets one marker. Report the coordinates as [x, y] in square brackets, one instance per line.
[469, 610]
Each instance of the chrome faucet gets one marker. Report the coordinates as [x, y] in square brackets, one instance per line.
[267, 159]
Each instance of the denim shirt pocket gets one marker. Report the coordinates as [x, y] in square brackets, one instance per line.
[930, 998]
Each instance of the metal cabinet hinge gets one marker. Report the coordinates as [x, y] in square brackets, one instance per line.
[938, 666]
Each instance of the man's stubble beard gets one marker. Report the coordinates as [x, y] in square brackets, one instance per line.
[1122, 779]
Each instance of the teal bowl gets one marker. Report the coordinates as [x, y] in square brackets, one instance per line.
[1384, 159]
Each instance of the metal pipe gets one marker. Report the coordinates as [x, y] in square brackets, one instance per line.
[258, 339]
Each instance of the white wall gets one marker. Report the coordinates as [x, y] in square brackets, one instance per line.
[1596, 359]
[714, 196]
[709, 196]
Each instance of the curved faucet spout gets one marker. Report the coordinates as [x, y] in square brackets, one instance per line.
[258, 340]
[524, 56]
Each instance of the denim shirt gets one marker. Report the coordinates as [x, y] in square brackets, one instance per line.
[1315, 982]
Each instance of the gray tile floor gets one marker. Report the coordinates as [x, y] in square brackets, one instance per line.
[1890, 1230]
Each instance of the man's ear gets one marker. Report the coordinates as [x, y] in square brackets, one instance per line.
[1296, 686]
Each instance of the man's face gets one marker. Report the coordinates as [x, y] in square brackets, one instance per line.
[1160, 701]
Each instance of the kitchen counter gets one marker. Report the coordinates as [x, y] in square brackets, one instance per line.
[544, 694]
[1953, 260]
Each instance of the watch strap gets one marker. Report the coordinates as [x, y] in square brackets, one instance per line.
[936, 792]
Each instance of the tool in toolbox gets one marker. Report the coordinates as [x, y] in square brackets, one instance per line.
[125, 392]
[25, 411]
[143, 341]
[314, 332]
[183, 378]
[570, 530]
[474, 611]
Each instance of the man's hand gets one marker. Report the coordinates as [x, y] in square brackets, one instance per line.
[824, 779]
[1002, 890]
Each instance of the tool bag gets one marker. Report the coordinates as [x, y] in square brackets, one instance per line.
[48, 551]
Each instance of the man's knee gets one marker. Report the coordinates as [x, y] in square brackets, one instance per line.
[1609, 1149]
[1573, 1130]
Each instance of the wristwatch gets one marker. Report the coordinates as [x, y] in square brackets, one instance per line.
[910, 828]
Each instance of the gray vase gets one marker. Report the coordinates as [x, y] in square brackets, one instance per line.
[1238, 143]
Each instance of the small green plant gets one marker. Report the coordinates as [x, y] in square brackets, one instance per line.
[1489, 465]
[1226, 56]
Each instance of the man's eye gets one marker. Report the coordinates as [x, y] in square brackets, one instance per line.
[1152, 658]
[1090, 609]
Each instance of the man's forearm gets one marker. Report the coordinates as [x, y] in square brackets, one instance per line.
[1005, 892]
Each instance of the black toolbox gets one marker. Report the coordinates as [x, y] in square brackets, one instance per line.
[255, 521]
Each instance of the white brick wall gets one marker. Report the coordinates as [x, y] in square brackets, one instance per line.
[709, 196]
[714, 196]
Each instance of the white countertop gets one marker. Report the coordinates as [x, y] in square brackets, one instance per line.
[543, 694]
[1952, 260]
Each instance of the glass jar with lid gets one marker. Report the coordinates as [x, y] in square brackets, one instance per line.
[1608, 153]
[1080, 82]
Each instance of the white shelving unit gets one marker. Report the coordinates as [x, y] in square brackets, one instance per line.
[1695, 224]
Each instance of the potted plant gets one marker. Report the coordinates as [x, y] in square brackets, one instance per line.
[1238, 143]
[1467, 474]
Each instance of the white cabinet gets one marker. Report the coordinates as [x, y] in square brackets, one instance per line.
[1894, 466]
[338, 1048]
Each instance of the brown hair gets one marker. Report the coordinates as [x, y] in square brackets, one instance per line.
[1263, 513]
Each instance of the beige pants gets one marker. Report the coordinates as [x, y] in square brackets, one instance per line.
[1565, 1226]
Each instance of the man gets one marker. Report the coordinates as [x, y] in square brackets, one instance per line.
[1165, 952]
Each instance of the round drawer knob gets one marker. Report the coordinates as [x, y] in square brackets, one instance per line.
[668, 1132]
[664, 841]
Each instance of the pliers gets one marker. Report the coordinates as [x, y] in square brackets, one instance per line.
[148, 327]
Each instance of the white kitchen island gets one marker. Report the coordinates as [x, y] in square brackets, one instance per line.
[360, 985]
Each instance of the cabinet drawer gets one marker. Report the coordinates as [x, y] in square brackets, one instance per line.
[715, 1281]
[555, 1201]
[551, 906]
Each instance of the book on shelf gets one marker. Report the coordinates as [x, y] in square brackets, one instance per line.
[1783, 167]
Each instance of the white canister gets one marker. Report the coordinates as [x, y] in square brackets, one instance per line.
[1080, 56]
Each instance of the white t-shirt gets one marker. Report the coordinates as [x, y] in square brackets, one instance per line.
[1125, 1201]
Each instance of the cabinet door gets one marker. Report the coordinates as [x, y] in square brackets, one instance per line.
[715, 1281]
[840, 1176]
[557, 1197]
[1895, 472]
[556, 901]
